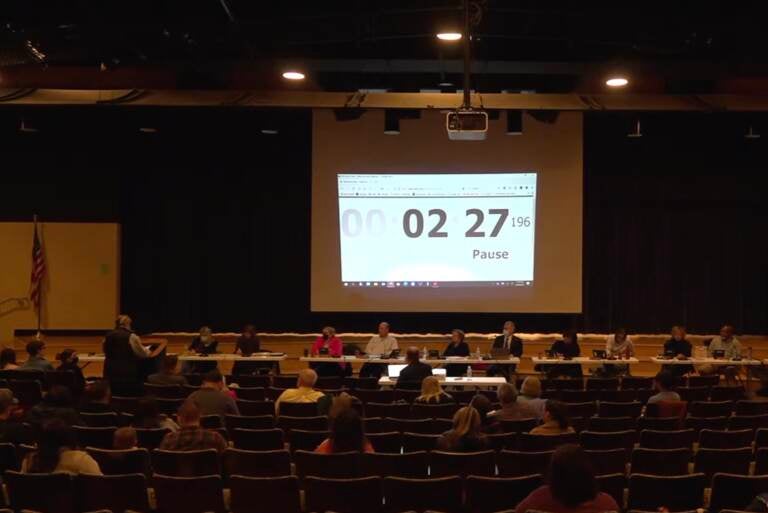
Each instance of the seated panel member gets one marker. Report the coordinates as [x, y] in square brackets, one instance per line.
[679, 348]
[382, 344]
[509, 341]
[567, 347]
[328, 344]
[618, 345]
[415, 372]
[247, 344]
[203, 344]
[456, 347]
[730, 345]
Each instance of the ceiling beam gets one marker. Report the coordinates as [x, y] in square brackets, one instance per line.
[328, 100]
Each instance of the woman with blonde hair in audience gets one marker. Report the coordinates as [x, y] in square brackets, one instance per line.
[556, 420]
[432, 392]
[466, 435]
[530, 393]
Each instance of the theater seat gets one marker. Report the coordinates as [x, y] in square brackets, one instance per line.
[114, 493]
[730, 461]
[735, 492]
[344, 465]
[517, 464]
[357, 495]
[443, 494]
[301, 440]
[491, 494]
[24, 492]
[237, 462]
[410, 464]
[725, 439]
[264, 494]
[611, 461]
[660, 462]
[677, 493]
[443, 464]
[201, 494]
[186, 463]
[120, 462]
[258, 439]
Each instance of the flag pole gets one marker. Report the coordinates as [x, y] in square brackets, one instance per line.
[40, 293]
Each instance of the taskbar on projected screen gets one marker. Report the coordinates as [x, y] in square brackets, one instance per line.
[433, 284]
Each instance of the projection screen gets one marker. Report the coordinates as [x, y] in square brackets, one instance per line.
[418, 223]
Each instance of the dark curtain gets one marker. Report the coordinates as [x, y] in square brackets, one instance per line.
[216, 218]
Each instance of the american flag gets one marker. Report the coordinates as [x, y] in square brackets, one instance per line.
[38, 270]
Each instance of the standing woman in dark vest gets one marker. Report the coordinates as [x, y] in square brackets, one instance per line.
[123, 355]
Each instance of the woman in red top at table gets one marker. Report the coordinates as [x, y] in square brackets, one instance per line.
[347, 434]
[328, 344]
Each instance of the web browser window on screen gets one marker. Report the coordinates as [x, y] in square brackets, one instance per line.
[437, 230]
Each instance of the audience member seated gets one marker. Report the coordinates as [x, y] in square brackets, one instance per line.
[125, 438]
[483, 406]
[414, 373]
[555, 420]
[11, 432]
[69, 362]
[466, 434]
[191, 436]
[205, 344]
[511, 408]
[97, 398]
[8, 359]
[148, 416]
[169, 373]
[304, 391]
[56, 452]
[530, 393]
[664, 383]
[347, 434]
[36, 360]
[56, 404]
[678, 347]
[571, 487]
[213, 398]
[432, 392]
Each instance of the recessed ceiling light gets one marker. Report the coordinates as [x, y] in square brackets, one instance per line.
[449, 36]
[293, 75]
[270, 131]
[616, 82]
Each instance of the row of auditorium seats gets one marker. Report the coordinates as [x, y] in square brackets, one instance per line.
[474, 494]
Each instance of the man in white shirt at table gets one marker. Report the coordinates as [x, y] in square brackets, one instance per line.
[380, 344]
[730, 347]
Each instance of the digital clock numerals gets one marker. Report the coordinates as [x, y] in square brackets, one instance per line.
[415, 222]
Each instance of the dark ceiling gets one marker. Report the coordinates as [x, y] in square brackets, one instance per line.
[541, 45]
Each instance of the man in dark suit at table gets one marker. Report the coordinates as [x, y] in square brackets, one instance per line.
[415, 372]
[512, 343]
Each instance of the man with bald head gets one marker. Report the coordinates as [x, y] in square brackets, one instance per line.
[380, 344]
[304, 391]
[415, 372]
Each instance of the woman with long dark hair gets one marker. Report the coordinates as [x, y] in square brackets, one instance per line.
[8, 359]
[148, 416]
[56, 452]
[347, 434]
[571, 486]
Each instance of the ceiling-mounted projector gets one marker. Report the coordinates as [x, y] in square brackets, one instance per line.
[466, 125]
